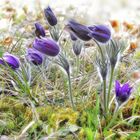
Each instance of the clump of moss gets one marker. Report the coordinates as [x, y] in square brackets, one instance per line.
[10, 104]
[12, 113]
[82, 121]
[62, 117]
[7, 127]
[36, 130]
[44, 112]
[28, 114]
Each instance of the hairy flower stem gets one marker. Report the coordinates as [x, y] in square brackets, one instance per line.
[110, 85]
[104, 95]
[70, 91]
[99, 48]
[77, 65]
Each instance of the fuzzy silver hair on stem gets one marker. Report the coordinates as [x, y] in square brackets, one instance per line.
[77, 47]
[113, 51]
[102, 66]
[63, 62]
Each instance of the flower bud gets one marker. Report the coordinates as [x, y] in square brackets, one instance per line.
[51, 18]
[40, 31]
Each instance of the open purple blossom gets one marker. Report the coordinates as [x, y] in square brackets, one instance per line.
[81, 31]
[34, 56]
[122, 92]
[51, 18]
[10, 60]
[39, 31]
[46, 46]
[100, 32]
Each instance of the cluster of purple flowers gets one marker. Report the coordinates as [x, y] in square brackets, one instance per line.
[101, 33]
[47, 46]
[41, 45]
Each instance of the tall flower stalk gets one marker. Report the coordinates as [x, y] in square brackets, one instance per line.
[104, 93]
[77, 48]
[110, 85]
[77, 64]
[70, 91]
[102, 66]
[113, 51]
[63, 62]
[123, 93]
[99, 47]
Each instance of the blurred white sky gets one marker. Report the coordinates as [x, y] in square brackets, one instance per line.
[115, 9]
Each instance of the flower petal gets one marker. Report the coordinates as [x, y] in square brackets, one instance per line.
[117, 87]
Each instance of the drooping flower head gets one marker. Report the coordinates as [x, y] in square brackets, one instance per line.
[113, 51]
[77, 47]
[10, 60]
[81, 31]
[39, 31]
[73, 36]
[102, 66]
[46, 46]
[63, 62]
[100, 32]
[34, 56]
[51, 18]
[123, 92]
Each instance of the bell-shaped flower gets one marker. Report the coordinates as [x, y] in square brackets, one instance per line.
[46, 46]
[101, 33]
[81, 31]
[34, 56]
[51, 18]
[10, 60]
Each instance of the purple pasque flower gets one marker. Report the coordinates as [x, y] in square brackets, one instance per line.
[122, 92]
[51, 18]
[81, 31]
[101, 33]
[34, 56]
[10, 60]
[46, 46]
[39, 31]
